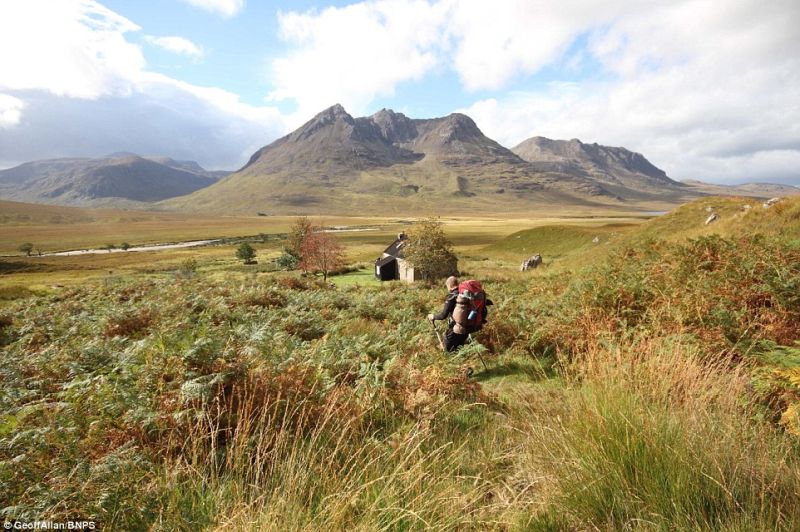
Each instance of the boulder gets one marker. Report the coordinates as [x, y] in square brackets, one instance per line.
[531, 263]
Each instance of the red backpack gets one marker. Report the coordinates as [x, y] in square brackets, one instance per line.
[470, 307]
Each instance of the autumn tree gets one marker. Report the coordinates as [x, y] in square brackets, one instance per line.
[321, 253]
[429, 251]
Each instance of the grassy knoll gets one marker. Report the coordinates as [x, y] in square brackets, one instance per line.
[651, 386]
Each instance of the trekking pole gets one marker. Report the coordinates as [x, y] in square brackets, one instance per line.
[438, 336]
[485, 367]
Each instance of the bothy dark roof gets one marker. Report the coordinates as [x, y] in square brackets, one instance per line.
[395, 249]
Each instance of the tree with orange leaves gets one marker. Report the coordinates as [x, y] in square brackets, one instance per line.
[321, 253]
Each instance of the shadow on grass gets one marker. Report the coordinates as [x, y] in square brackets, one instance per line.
[534, 369]
[9, 267]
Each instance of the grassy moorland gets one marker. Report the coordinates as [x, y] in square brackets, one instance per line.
[52, 228]
[645, 381]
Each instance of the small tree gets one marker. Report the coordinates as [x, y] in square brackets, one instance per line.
[125, 246]
[109, 247]
[429, 251]
[294, 241]
[321, 253]
[297, 233]
[26, 248]
[246, 253]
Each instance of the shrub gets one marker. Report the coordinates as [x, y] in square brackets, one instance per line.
[246, 253]
[267, 298]
[187, 268]
[287, 261]
[125, 324]
[26, 248]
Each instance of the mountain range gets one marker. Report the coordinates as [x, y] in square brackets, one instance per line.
[119, 179]
[386, 163]
[389, 163]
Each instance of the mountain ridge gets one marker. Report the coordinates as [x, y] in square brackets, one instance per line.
[120, 179]
[387, 160]
[607, 164]
[759, 190]
[383, 163]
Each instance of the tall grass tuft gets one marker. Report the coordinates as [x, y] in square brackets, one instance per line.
[657, 437]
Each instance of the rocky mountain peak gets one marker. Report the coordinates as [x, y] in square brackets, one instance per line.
[394, 127]
[457, 127]
[330, 116]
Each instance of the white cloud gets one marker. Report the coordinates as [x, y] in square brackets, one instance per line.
[76, 86]
[226, 8]
[72, 48]
[10, 110]
[353, 54]
[494, 42]
[176, 45]
[166, 119]
[365, 50]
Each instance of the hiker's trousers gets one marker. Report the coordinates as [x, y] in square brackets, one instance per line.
[453, 340]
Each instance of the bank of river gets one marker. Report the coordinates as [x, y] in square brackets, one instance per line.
[152, 247]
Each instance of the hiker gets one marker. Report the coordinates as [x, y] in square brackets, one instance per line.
[457, 329]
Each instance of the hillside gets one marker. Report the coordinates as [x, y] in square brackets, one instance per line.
[567, 247]
[120, 180]
[557, 242]
[390, 163]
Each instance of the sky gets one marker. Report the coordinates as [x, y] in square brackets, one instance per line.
[705, 89]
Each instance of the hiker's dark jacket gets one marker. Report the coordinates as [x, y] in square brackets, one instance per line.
[449, 305]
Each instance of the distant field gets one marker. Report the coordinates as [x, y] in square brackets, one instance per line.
[53, 229]
[64, 228]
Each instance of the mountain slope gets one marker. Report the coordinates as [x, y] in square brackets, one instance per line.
[389, 163]
[120, 179]
[615, 167]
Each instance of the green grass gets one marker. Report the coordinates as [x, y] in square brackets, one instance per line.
[554, 242]
[362, 277]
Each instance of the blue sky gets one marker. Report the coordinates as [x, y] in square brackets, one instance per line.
[705, 89]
